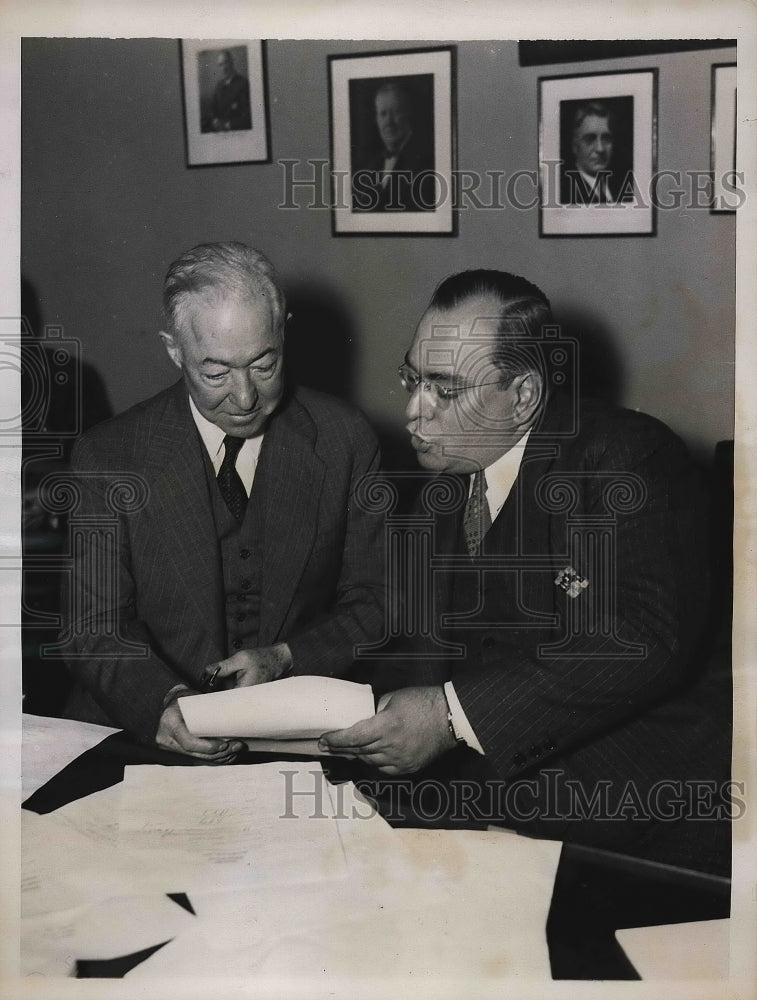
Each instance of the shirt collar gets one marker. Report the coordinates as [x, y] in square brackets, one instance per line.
[501, 475]
[212, 435]
[597, 181]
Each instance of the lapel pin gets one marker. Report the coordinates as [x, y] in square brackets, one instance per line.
[569, 581]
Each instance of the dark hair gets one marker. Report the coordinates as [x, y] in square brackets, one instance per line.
[524, 310]
[391, 86]
[233, 269]
[593, 108]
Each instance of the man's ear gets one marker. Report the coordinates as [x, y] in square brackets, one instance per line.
[171, 346]
[530, 396]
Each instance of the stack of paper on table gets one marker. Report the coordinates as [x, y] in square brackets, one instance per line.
[293, 709]
[169, 829]
[419, 907]
[205, 828]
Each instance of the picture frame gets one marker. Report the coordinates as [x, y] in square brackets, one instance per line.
[392, 130]
[225, 101]
[598, 154]
[725, 196]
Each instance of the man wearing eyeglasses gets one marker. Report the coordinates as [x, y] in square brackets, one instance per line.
[569, 595]
[245, 555]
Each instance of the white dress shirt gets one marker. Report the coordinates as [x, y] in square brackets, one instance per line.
[212, 437]
[500, 478]
[597, 185]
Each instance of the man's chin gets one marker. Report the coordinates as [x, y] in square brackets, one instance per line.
[244, 426]
[429, 458]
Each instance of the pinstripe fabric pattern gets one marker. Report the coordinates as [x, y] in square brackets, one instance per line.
[593, 712]
[322, 570]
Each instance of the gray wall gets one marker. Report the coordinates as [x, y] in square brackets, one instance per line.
[107, 202]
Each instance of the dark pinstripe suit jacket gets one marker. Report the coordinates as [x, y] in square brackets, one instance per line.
[607, 686]
[322, 573]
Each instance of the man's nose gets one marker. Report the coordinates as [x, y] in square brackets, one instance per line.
[420, 406]
[244, 390]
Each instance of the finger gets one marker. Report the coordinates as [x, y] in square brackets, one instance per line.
[390, 769]
[362, 734]
[224, 760]
[385, 764]
[202, 746]
[224, 668]
[375, 749]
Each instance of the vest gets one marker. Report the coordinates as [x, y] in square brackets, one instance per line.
[240, 549]
[508, 603]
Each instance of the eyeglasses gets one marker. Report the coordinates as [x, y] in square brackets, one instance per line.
[444, 393]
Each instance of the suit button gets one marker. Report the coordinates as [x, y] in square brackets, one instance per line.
[549, 746]
[488, 641]
[244, 553]
[534, 751]
[236, 644]
[520, 759]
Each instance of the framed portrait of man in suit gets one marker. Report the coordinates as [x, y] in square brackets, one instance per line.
[225, 107]
[597, 154]
[392, 143]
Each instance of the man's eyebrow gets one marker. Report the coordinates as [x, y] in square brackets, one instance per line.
[225, 364]
[434, 376]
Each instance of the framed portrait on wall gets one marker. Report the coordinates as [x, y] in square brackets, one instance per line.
[225, 106]
[725, 196]
[392, 118]
[598, 154]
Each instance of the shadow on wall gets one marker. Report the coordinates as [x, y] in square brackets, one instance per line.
[599, 366]
[320, 354]
[61, 396]
[320, 342]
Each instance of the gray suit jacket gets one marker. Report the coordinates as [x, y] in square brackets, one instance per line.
[157, 618]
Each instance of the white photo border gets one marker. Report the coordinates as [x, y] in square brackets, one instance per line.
[213, 148]
[638, 217]
[438, 61]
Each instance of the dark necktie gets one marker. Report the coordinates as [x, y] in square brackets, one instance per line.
[477, 519]
[228, 479]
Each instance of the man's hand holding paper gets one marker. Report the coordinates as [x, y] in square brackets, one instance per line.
[302, 707]
[249, 667]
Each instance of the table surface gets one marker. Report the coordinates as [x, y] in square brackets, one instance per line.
[595, 892]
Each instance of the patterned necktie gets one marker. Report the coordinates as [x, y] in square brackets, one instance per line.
[477, 519]
[228, 479]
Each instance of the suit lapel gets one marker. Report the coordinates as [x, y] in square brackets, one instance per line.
[180, 507]
[288, 484]
[541, 527]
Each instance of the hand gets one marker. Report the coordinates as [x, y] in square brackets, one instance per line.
[251, 666]
[406, 735]
[173, 735]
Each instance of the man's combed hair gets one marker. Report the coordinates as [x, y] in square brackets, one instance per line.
[227, 269]
[524, 311]
[596, 108]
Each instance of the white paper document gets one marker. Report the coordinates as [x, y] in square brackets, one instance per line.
[69, 857]
[693, 951]
[52, 943]
[291, 708]
[48, 745]
[419, 906]
[209, 828]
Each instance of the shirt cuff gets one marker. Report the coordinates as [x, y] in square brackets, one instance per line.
[463, 728]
